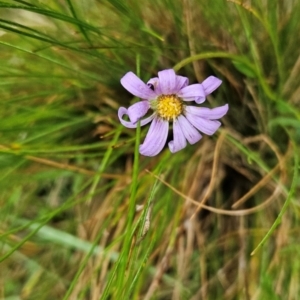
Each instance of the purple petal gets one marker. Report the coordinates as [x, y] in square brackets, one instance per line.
[210, 84]
[181, 82]
[155, 138]
[167, 81]
[207, 113]
[189, 131]
[193, 92]
[136, 86]
[137, 110]
[206, 126]
[155, 83]
[179, 141]
[123, 111]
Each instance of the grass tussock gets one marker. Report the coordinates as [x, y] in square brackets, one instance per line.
[84, 216]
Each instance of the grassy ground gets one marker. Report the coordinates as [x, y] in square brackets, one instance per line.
[83, 216]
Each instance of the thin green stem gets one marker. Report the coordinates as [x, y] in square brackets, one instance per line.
[285, 206]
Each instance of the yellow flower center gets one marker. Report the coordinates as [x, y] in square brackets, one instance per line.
[169, 106]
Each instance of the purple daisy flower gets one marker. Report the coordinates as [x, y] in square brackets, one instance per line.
[168, 95]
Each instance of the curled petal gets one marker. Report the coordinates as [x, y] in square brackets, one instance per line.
[123, 111]
[167, 81]
[189, 131]
[155, 138]
[210, 84]
[179, 140]
[193, 92]
[137, 110]
[136, 86]
[206, 126]
[208, 113]
[154, 82]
